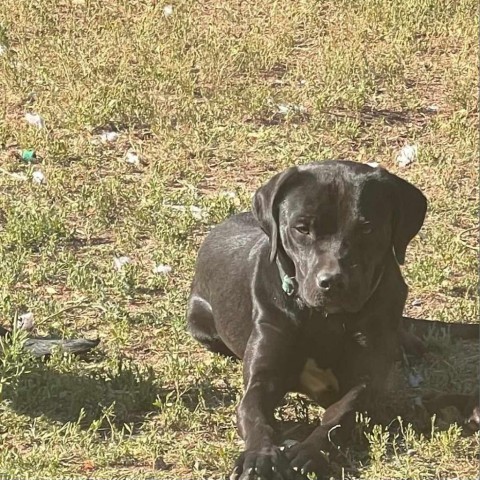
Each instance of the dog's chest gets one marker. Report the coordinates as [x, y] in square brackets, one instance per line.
[320, 384]
[322, 347]
[328, 349]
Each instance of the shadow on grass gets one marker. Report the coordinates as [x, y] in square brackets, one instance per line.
[210, 397]
[87, 390]
[61, 395]
[394, 117]
[366, 116]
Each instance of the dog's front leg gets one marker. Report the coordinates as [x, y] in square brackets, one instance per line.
[266, 382]
[255, 422]
[308, 456]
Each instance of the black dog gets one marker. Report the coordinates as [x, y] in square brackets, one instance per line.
[308, 291]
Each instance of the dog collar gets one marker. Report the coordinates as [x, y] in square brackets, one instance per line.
[288, 283]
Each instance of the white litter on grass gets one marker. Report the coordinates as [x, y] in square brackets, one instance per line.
[109, 137]
[3, 49]
[26, 321]
[373, 164]
[433, 108]
[416, 302]
[228, 194]
[120, 262]
[38, 177]
[168, 10]
[408, 154]
[197, 212]
[132, 158]
[35, 120]
[162, 269]
[286, 108]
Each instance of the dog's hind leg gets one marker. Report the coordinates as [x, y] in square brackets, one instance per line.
[413, 331]
[421, 328]
[201, 326]
[467, 405]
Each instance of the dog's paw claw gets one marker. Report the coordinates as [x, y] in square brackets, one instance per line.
[236, 473]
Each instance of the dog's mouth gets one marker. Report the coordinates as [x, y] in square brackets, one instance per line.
[351, 300]
[331, 307]
[328, 303]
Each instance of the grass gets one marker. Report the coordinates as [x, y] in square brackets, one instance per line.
[214, 99]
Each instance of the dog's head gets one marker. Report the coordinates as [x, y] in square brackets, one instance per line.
[335, 223]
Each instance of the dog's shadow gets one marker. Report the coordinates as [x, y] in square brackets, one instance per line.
[66, 393]
[84, 392]
[79, 394]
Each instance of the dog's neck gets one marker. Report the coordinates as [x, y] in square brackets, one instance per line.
[289, 282]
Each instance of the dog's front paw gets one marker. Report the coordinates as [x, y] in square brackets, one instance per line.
[265, 464]
[307, 458]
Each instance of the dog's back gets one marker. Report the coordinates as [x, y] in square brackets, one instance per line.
[224, 265]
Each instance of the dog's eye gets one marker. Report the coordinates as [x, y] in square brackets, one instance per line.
[303, 229]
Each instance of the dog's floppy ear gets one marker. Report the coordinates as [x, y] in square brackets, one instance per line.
[410, 207]
[265, 206]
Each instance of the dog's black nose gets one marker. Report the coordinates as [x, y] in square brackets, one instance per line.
[329, 281]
